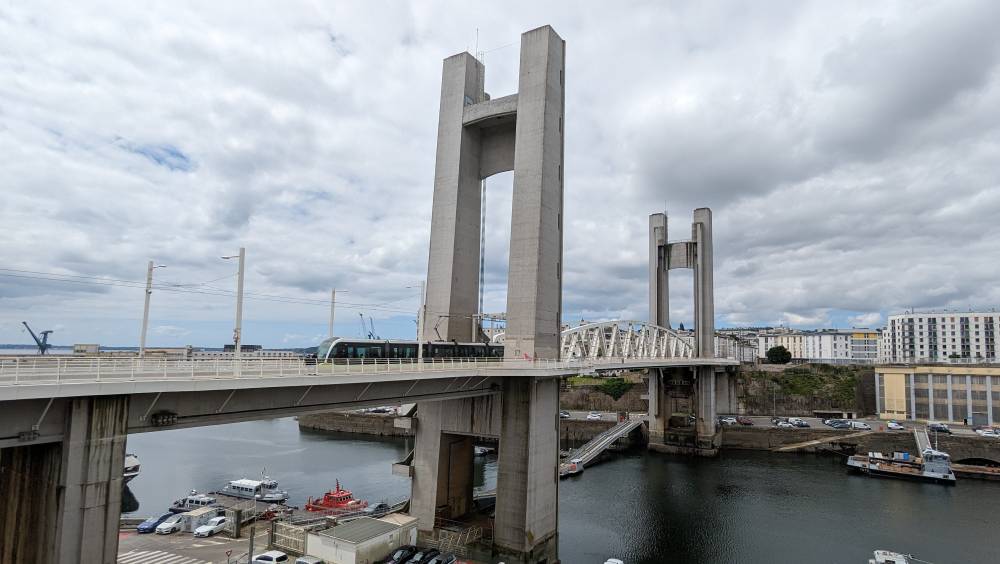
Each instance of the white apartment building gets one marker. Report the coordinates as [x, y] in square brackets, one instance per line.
[940, 337]
[834, 346]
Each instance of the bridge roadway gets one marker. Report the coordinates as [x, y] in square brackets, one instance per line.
[193, 393]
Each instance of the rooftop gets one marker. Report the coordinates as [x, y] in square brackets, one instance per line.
[359, 530]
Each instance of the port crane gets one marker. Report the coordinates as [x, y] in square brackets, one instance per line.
[43, 343]
[365, 329]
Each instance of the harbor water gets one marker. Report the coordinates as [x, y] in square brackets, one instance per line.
[745, 507]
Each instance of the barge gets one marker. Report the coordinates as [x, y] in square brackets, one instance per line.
[933, 466]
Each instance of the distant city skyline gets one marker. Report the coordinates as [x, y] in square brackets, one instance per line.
[848, 152]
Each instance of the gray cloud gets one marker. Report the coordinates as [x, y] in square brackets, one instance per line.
[848, 151]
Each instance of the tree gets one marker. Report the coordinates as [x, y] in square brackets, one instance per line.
[615, 387]
[779, 355]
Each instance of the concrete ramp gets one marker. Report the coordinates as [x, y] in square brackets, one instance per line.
[590, 451]
[817, 442]
[923, 441]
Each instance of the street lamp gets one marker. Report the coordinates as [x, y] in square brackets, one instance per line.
[237, 338]
[421, 314]
[333, 303]
[145, 309]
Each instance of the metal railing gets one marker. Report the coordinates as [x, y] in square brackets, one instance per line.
[57, 370]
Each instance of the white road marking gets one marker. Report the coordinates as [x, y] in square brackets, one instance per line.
[156, 557]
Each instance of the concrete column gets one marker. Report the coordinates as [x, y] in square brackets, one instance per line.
[442, 468]
[659, 295]
[930, 397]
[706, 417]
[656, 419]
[989, 400]
[29, 488]
[453, 265]
[525, 526]
[92, 460]
[704, 293]
[951, 411]
[534, 277]
[878, 397]
[968, 395]
[913, 396]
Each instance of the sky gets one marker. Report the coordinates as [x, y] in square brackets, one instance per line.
[848, 151]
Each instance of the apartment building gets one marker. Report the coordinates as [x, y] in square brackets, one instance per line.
[940, 337]
[834, 346]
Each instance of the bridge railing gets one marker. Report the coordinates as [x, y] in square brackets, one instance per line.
[44, 370]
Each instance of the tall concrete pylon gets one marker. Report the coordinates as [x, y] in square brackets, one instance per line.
[477, 138]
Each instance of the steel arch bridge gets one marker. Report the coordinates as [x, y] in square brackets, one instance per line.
[621, 339]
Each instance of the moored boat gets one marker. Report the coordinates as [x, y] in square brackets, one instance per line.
[131, 467]
[193, 500]
[264, 489]
[337, 500]
[890, 557]
[933, 466]
[570, 468]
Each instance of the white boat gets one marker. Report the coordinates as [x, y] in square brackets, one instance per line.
[131, 467]
[570, 468]
[890, 557]
[261, 490]
[193, 500]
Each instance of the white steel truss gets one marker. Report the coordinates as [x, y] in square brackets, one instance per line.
[623, 339]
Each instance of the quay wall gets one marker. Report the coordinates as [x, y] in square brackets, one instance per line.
[572, 430]
[960, 447]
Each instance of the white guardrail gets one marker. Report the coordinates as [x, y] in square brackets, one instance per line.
[54, 370]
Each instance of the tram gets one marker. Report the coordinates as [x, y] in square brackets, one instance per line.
[342, 349]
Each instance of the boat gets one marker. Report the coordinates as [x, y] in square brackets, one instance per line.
[570, 468]
[933, 466]
[193, 500]
[264, 489]
[890, 557]
[131, 467]
[338, 500]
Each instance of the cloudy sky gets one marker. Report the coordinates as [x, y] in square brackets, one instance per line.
[849, 152]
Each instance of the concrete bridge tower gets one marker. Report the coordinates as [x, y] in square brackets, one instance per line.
[698, 390]
[478, 137]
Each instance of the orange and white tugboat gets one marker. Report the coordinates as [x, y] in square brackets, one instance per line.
[338, 500]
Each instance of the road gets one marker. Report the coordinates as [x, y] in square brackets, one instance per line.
[876, 424]
[183, 548]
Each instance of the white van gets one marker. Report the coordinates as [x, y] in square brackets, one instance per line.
[859, 425]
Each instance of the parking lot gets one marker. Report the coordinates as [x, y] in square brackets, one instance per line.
[184, 548]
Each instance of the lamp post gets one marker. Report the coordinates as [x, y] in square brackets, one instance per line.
[145, 309]
[333, 304]
[237, 337]
[421, 314]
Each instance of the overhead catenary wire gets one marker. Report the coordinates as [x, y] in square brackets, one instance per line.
[191, 289]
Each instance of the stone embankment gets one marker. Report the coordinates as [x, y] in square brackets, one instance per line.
[960, 447]
[571, 430]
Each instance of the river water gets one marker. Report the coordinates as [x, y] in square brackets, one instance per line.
[743, 507]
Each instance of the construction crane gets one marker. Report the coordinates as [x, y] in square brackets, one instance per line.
[365, 330]
[43, 343]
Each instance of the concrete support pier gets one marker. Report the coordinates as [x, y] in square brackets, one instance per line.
[62, 501]
[525, 528]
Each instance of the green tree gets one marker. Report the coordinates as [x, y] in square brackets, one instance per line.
[614, 387]
[779, 355]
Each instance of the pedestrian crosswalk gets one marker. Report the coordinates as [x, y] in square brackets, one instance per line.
[156, 557]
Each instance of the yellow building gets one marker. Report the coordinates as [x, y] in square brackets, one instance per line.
[961, 394]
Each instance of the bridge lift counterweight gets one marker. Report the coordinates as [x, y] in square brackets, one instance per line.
[43, 343]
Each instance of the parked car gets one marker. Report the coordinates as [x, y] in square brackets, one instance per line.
[309, 560]
[269, 557]
[833, 422]
[443, 559]
[776, 420]
[837, 424]
[593, 416]
[988, 433]
[214, 525]
[170, 525]
[424, 556]
[800, 423]
[784, 425]
[893, 426]
[727, 420]
[400, 555]
[564, 414]
[377, 508]
[150, 525]
[794, 420]
[744, 420]
[938, 428]
[860, 425]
